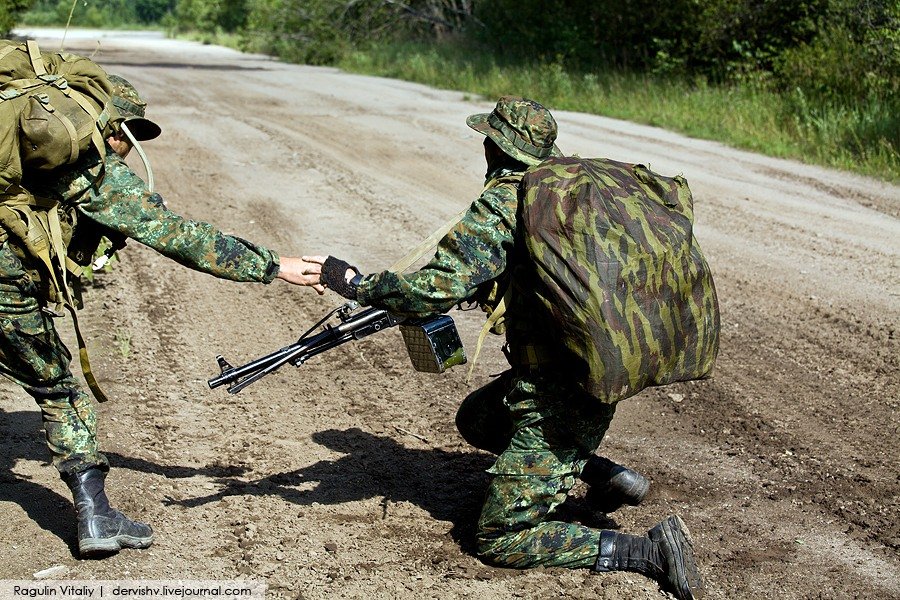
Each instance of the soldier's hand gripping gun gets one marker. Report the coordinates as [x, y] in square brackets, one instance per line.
[433, 345]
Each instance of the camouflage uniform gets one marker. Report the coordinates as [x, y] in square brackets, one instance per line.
[31, 353]
[544, 428]
[543, 424]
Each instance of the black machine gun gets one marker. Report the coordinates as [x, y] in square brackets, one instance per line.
[433, 344]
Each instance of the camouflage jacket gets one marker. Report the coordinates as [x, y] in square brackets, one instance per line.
[477, 253]
[123, 204]
[473, 254]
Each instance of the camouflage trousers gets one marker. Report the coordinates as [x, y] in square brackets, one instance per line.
[544, 431]
[32, 355]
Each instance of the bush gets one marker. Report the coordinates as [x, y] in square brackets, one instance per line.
[210, 16]
[9, 13]
[855, 55]
[98, 13]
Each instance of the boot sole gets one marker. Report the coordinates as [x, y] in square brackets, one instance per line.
[89, 547]
[678, 538]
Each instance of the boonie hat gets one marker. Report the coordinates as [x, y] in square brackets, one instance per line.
[129, 104]
[522, 128]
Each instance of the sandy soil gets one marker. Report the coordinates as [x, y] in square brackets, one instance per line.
[347, 478]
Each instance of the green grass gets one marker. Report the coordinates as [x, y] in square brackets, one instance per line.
[864, 137]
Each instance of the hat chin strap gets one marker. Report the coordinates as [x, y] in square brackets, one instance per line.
[140, 151]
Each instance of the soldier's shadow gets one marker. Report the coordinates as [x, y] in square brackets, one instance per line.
[23, 435]
[450, 486]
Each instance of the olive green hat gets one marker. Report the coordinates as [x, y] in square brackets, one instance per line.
[129, 104]
[522, 128]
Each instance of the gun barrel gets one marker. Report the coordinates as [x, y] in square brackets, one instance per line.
[235, 373]
[353, 327]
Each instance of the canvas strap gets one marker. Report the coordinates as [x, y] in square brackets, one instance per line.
[37, 61]
[428, 245]
[99, 122]
[431, 242]
[41, 232]
[491, 321]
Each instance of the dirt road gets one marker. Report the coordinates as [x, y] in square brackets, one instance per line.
[347, 478]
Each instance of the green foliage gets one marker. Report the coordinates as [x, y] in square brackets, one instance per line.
[584, 32]
[719, 38]
[210, 16]
[324, 31]
[734, 38]
[98, 13]
[297, 31]
[856, 54]
[857, 138]
[814, 79]
[10, 11]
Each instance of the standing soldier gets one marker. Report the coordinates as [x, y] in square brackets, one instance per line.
[101, 196]
[543, 425]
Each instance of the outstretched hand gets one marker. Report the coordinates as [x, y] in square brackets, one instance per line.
[301, 272]
[336, 274]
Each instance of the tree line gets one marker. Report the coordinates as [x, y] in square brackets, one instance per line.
[827, 48]
[820, 55]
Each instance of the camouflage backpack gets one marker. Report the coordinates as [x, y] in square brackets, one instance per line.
[615, 265]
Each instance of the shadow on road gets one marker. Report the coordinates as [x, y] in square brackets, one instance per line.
[22, 433]
[171, 65]
[450, 486]
[23, 439]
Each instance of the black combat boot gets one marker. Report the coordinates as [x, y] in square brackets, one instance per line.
[101, 528]
[665, 554]
[612, 485]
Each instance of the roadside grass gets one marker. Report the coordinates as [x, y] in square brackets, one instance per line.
[863, 138]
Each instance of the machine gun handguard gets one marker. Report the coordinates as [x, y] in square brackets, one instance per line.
[433, 344]
[352, 326]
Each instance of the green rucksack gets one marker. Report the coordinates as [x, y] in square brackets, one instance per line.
[53, 108]
[615, 266]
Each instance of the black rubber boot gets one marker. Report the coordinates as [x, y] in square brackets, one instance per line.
[665, 554]
[101, 528]
[612, 485]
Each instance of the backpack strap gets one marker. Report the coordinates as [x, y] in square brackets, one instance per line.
[40, 70]
[431, 242]
[489, 324]
[59, 251]
[37, 61]
[427, 245]
[100, 120]
[41, 233]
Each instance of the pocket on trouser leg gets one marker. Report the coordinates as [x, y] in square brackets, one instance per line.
[31, 352]
[483, 419]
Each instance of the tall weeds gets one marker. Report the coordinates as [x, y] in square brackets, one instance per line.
[863, 138]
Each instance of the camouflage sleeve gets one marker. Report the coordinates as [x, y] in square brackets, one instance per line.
[123, 203]
[472, 253]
